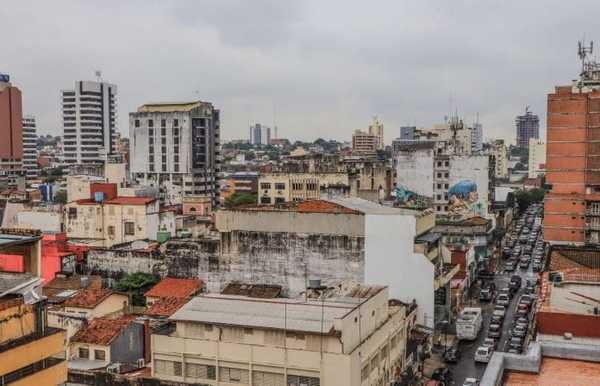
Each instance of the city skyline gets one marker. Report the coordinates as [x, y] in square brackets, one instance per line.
[322, 79]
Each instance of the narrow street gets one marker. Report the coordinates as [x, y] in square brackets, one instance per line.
[466, 367]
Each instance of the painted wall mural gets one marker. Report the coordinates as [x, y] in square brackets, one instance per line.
[464, 200]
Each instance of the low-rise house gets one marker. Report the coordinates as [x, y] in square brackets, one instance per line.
[353, 337]
[85, 305]
[171, 287]
[104, 341]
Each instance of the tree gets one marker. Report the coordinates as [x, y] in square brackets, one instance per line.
[60, 197]
[240, 198]
[136, 284]
[527, 197]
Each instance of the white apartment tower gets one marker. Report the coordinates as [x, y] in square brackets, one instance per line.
[30, 152]
[176, 147]
[89, 116]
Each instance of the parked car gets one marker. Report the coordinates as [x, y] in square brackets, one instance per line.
[471, 382]
[442, 374]
[486, 294]
[503, 299]
[526, 299]
[519, 330]
[483, 354]
[521, 322]
[500, 311]
[495, 331]
[452, 354]
[507, 291]
[509, 266]
[516, 343]
[490, 342]
[524, 263]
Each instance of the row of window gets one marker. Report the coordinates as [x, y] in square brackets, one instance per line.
[163, 141]
[163, 132]
[99, 355]
[163, 123]
[295, 186]
[231, 375]
[444, 175]
[444, 163]
[163, 149]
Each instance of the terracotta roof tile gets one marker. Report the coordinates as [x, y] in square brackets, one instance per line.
[321, 206]
[165, 306]
[175, 288]
[558, 372]
[88, 298]
[102, 331]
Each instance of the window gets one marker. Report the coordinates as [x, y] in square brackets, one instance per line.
[111, 230]
[164, 167]
[439, 186]
[279, 186]
[151, 132]
[163, 141]
[163, 131]
[263, 378]
[265, 200]
[176, 149]
[175, 122]
[445, 186]
[439, 175]
[248, 331]
[265, 185]
[446, 175]
[176, 141]
[151, 149]
[176, 168]
[176, 131]
[231, 375]
[84, 352]
[298, 380]
[176, 158]
[150, 141]
[164, 158]
[72, 213]
[151, 167]
[163, 123]
[151, 158]
[177, 369]
[136, 123]
[99, 355]
[150, 123]
[194, 370]
[129, 228]
[208, 327]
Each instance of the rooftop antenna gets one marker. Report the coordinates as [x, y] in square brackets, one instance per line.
[583, 51]
[98, 74]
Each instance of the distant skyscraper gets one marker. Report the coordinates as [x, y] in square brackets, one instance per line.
[11, 130]
[89, 116]
[477, 137]
[528, 126]
[268, 139]
[30, 152]
[256, 134]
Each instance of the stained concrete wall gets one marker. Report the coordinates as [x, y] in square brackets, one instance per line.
[414, 171]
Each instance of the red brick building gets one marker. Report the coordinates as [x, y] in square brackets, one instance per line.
[572, 207]
[11, 129]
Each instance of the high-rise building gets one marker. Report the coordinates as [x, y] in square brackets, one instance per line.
[528, 126]
[268, 137]
[89, 114]
[477, 137]
[500, 153]
[376, 129]
[537, 157]
[176, 147]
[11, 130]
[30, 152]
[257, 134]
[362, 142]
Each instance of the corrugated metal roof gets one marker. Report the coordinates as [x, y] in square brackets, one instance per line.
[290, 314]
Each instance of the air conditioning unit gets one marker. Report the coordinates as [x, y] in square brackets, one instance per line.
[140, 363]
[114, 368]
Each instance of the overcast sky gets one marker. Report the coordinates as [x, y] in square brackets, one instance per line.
[324, 67]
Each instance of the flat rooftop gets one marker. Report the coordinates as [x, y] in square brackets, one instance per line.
[9, 239]
[557, 372]
[14, 281]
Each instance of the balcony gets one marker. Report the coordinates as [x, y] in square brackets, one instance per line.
[445, 273]
[50, 371]
[20, 353]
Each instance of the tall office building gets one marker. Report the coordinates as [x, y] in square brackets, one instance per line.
[89, 114]
[572, 207]
[268, 136]
[256, 134]
[176, 147]
[30, 152]
[477, 137]
[376, 129]
[528, 126]
[11, 130]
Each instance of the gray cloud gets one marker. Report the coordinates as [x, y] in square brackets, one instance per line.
[324, 66]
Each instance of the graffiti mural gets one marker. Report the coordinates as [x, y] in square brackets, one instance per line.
[407, 198]
[464, 200]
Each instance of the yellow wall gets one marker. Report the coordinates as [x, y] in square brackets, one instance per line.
[55, 375]
[26, 354]
[16, 321]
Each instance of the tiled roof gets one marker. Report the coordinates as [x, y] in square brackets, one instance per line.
[102, 331]
[59, 285]
[175, 288]
[264, 291]
[88, 298]
[557, 372]
[321, 206]
[165, 306]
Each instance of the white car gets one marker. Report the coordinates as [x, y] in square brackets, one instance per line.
[471, 382]
[484, 354]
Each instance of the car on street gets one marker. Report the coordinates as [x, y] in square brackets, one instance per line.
[499, 311]
[536, 267]
[521, 322]
[507, 291]
[486, 294]
[503, 299]
[495, 330]
[490, 342]
[483, 354]
[516, 343]
[526, 299]
[524, 263]
[452, 354]
[486, 274]
[519, 330]
[510, 266]
[471, 382]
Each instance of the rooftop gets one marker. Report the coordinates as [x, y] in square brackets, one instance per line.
[120, 201]
[64, 286]
[12, 237]
[175, 288]
[13, 282]
[557, 372]
[290, 314]
[264, 291]
[165, 307]
[102, 331]
[171, 107]
[88, 298]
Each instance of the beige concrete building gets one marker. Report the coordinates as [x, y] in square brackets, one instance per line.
[355, 337]
[376, 129]
[363, 142]
[117, 220]
[500, 153]
[537, 157]
[277, 188]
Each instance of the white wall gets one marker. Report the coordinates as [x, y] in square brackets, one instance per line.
[474, 168]
[390, 260]
[415, 171]
[43, 221]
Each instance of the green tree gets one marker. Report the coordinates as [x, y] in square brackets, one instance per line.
[240, 198]
[60, 197]
[527, 197]
[136, 284]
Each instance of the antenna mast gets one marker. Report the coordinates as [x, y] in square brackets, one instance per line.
[583, 52]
